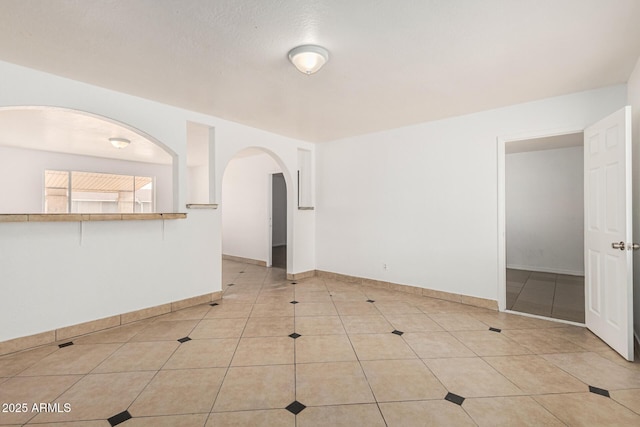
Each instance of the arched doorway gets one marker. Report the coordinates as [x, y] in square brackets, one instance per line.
[256, 202]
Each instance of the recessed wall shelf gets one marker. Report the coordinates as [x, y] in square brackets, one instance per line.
[88, 217]
[202, 206]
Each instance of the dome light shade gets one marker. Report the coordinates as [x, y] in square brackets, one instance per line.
[308, 58]
[119, 142]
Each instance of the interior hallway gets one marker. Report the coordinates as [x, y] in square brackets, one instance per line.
[323, 352]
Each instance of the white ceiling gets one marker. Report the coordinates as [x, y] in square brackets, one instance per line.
[392, 63]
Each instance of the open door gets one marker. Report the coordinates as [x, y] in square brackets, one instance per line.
[608, 231]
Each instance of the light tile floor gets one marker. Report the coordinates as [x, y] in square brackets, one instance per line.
[321, 352]
[558, 296]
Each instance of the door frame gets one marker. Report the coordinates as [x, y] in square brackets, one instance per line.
[502, 243]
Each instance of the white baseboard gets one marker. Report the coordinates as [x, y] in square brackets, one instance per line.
[545, 270]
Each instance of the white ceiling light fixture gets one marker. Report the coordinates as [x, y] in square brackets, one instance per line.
[309, 58]
[119, 142]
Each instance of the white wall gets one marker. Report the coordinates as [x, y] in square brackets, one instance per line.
[176, 260]
[545, 210]
[245, 206]
[22, 176]
[423, 199]
[633, 99]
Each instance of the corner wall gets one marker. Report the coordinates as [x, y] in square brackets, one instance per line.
[422, 200]
[545, 210]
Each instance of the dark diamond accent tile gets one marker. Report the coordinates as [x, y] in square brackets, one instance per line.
[214, 304]
[294, 335]
[454, 398]
[294, 283]
[119, 418]
[242, 272]
[293, 302]
[185, 339]
[370, 300]
[397, 332]
[495, 330]
[295, 407]
[65, 344]
[231, 284]
[600, 391]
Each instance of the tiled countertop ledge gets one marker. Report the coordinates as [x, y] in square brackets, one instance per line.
[88, 217]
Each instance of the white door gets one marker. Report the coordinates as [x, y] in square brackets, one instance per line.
[608, 238]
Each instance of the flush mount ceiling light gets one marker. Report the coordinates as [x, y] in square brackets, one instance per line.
[308, 58]
[119, 142]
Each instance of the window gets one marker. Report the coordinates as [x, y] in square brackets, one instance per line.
[90, 192]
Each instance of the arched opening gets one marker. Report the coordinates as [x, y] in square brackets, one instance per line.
[256, 202]
[57, 160]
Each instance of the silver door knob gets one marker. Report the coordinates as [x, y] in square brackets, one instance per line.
[618, 246]
[633, 246]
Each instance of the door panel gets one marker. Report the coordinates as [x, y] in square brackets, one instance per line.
[608, 278]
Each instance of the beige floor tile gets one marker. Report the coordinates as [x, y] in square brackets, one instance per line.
[458, 322]
[588, 409]
[99, 396]
[471, 377]
[268, 327]
[15, 363]
[436, 413]
[356, 308]
[264, 351]
[138, 356]
[86, 423]
[29, 391]
[175, 392]
[514, 321]
[229, 311]
[542, 341]
[348, 296]
[381, 346]
[273, 310]
[341, 416]
[366, 324]
[276, 298]
[191, 313]
[488, 343]
[582, 337]
[508, 412]
[166, 330]
[313, 296]
[210, 353]
[74, 359]
[334, 383]
[319, 325]
[412, 322]
[191, 420]
[256, 387]
[315, 309]
[323, 348]
[628, 398]
[429, 345]
[396, 307]
[218, 328]
[540, 307]
[400, 380]
[439, 306]
[594, 370]
[119, 334]
[247, 298]
[535, 375]
[264, 418]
